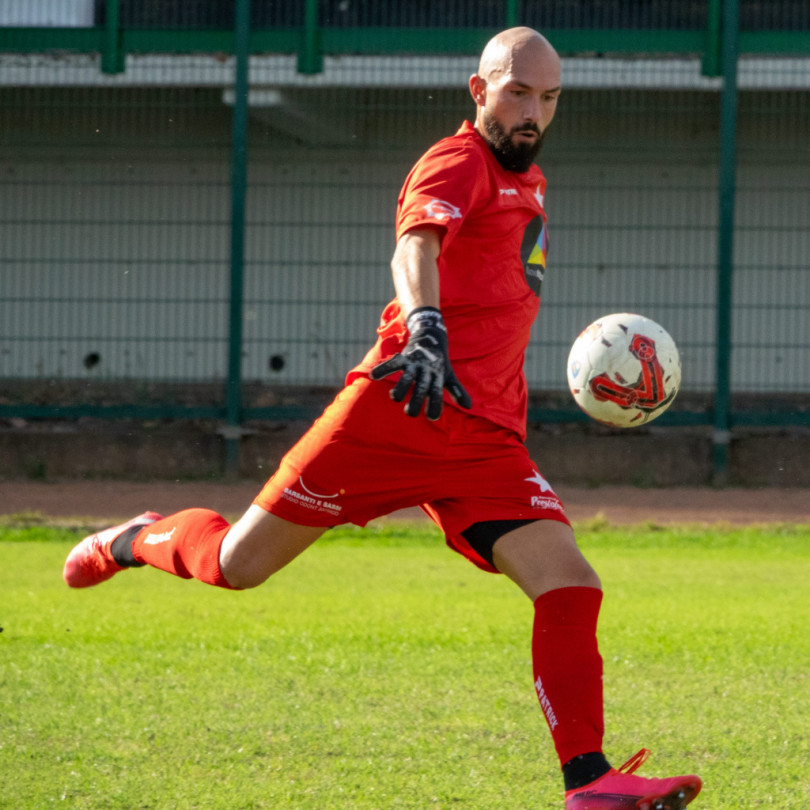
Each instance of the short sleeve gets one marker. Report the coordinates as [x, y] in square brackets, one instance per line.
[441, 189]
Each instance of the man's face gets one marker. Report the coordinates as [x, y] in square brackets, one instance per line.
[515, 106]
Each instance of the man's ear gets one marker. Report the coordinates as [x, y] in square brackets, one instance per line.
[478, 90]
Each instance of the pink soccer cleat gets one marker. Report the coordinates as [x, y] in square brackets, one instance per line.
[91, 562]
[620, 790]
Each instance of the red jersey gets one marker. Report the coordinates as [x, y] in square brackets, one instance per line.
[493, 254]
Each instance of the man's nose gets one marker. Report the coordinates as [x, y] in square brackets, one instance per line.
[532, 112]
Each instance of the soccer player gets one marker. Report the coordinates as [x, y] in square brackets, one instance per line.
[467, 268]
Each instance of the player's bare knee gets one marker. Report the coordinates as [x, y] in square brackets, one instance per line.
[243, 579]
[260, 544]
[543, 556]
[245, 567]
[589, 579]
[573, 571]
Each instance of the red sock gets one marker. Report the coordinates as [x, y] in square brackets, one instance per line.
[185, 544]
[568, 669]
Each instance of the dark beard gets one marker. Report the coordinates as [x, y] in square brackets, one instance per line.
[512, 157]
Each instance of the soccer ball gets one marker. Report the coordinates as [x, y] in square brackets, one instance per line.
[624, 370]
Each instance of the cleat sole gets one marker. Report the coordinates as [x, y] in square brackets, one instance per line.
[675, 801]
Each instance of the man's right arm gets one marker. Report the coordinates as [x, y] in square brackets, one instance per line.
[424, 362]
[415, 269]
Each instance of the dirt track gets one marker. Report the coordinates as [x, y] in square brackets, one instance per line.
[106, 501]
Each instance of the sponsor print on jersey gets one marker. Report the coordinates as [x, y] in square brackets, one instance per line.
[533, 253]
[441, 210]
[311, 500]
[547, 498]
[541, 482]
[539, 502]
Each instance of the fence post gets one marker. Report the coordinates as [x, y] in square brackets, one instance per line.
[112, 57]
[310, 58]
[232, 431]
[725, 240]
[511, 13]
[710, 65]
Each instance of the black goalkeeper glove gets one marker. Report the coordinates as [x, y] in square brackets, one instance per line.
[425, 366]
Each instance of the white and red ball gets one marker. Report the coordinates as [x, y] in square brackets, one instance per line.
[624, 370]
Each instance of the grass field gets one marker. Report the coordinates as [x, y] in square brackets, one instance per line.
[382, 671]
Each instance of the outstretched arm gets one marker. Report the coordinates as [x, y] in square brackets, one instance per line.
[424, 362]
[415, 269]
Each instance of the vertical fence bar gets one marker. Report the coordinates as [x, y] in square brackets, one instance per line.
[112, 59]
[710, 65]
[512, 13]
[725, 239]
[310, 58]
[232, 430]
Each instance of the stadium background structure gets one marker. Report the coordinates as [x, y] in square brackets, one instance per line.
[196, 217]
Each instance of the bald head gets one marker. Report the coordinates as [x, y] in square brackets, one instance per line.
[513, 47]
[515, 92]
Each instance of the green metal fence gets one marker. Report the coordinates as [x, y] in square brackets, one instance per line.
[196, 211]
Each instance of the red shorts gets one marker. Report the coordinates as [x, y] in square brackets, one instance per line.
[364, 458]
